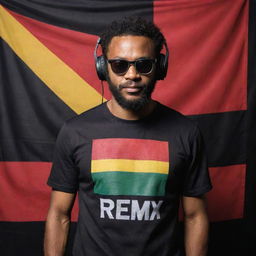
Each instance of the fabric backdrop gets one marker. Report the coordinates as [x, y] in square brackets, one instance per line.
[47, 75]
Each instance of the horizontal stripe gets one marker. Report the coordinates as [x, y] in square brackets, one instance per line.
[224, 133]
[139, 149]
[86, 16]
[226, 199]
[23, 185]
[123, 183]
[58, 76]
[125, 165]
[27, 196]
[225, 137]
[227, 238]
[25, 238]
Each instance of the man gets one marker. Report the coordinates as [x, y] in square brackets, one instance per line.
[130, 159]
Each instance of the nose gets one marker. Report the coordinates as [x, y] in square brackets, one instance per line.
[132, 73]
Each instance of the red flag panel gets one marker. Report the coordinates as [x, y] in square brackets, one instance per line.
[208, 55]
[25, 195]
[226, 199]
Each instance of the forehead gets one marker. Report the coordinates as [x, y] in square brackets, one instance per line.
[130, 47]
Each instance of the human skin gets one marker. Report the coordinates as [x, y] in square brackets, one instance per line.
[130, 48]
[57, 223]
[195, 216]
[196, 225]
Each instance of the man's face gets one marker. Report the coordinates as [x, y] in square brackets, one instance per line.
[132, 90]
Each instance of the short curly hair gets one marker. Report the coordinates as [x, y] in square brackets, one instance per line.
[132, 26]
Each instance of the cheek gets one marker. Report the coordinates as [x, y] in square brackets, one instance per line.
[148, 79]
[115, 79]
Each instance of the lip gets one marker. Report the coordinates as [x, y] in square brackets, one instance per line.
[132, 89]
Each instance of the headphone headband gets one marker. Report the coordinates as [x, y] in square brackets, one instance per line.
[96, 48]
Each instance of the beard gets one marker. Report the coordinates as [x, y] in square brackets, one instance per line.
[136, 104]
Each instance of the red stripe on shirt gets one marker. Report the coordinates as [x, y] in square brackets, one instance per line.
[136, 149]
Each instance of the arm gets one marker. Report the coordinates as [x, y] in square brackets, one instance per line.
[57, 223]
[196, 226]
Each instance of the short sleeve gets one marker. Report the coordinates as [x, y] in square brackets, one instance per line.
[197, 181]
[64, 174]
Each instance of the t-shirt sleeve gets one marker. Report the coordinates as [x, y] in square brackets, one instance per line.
[197, 181]
[64, 174]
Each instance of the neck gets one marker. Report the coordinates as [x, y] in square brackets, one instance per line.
[127, 114]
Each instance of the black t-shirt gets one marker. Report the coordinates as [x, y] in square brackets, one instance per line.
[129, 176]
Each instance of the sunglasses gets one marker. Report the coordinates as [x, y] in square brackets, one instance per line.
[143, 66]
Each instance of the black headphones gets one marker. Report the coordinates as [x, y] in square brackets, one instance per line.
[101, 64]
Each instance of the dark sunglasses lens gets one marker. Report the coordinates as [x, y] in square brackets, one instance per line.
[119, 66]
[144, 66]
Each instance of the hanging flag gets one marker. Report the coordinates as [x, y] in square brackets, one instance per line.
[48, 76]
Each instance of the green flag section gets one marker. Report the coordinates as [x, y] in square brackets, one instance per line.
[130, 166]
[128, 183]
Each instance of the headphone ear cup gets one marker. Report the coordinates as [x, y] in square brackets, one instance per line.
[162, 65]
[101, 67]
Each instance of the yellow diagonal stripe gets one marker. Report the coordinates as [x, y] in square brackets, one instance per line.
[58, 76]
[126, 165]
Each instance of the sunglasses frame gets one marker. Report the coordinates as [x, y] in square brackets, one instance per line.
[153, 61]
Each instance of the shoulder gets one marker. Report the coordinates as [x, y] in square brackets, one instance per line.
[176, 120]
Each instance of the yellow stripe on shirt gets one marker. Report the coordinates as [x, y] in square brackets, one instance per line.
[126, 165]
